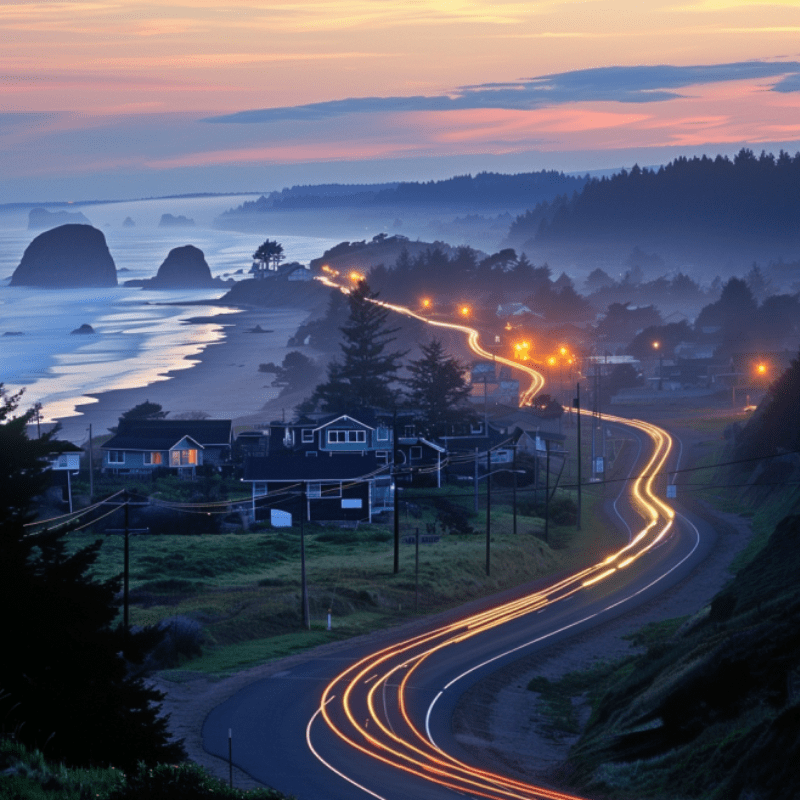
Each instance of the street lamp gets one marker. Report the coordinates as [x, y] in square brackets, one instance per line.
[656, 346]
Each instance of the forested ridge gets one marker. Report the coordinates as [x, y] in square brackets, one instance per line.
[755, 197]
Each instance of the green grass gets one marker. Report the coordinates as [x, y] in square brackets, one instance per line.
[244, 588]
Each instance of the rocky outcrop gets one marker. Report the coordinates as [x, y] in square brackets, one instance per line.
[85, 328]
[66, 257]
[40, 219]
[128, 223]
[183, 268]
[169, 221]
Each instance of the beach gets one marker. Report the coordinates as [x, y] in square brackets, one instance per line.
[223, 380]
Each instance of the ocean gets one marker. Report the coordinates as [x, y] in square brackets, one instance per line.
[138, 338]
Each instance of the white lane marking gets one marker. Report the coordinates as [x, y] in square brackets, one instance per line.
[560, 630]
[330, 766]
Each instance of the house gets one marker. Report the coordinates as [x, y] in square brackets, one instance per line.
[490, 385]
[324, 436]
[141, 446]
[419, 461]
[345, 488]
[291, 271]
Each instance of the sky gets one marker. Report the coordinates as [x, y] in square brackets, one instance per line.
[123, 99]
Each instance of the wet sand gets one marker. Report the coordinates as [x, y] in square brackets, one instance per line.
[224, 381]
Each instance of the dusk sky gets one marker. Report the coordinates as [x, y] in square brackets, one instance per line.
[114, 99]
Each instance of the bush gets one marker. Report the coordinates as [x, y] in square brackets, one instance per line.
[183, 639]
[183, 782]
[452, 518]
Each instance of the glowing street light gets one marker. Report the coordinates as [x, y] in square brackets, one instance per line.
[656, 346]
[464, 311]
[355, 276]
[426, 302]
[761, 369]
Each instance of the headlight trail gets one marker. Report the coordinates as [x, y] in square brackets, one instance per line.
[356, 705]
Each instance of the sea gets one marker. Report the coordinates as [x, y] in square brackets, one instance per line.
[141, 334]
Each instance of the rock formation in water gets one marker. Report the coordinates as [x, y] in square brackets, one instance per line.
[169, 221]
[128, 223]
[85, 328]
[67, 257]
[183, 268]
[40, 219]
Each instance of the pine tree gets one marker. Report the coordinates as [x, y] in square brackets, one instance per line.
[64, 683]
[366, 373]
[438, 390]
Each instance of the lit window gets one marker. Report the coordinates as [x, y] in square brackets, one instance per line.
[152, 458]
[183, 458]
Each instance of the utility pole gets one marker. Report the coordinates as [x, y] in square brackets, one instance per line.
[514, 471]
[91, 467]
[577, 405]
[126, 558]
[395, 496]
[547, 496]
[488, 504]
[304, 584]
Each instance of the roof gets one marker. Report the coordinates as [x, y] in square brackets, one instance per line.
[162, 434]
[323, 467]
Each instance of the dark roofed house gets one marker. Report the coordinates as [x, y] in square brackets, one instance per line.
[343, 487]
[143, 445]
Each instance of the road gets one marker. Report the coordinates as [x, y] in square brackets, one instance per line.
[376, 723]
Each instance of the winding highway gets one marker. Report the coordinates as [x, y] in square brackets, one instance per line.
[367, 722]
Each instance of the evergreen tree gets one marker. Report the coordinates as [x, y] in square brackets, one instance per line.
[438, 390]
[64, 682]
[365, 375]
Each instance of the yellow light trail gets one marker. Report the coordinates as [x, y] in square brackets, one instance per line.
[359, 721]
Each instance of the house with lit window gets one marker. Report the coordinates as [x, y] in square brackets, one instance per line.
[141, 446]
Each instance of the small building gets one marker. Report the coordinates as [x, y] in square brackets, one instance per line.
[337, 488]
[141, 446]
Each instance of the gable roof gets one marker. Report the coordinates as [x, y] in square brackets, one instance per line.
[323, 467]
[162, 434]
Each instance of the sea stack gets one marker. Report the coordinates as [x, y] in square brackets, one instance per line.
[67, 257]
[183, 268]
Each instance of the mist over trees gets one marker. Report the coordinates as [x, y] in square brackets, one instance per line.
[700, 198]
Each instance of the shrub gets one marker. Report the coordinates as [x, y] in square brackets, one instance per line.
[182, 639]
[183, 782]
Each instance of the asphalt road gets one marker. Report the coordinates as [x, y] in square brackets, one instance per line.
[388, 733]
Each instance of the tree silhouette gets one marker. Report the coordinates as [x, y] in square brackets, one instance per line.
[269, 254]
[65, 683]
[438, 390]
[365, 375]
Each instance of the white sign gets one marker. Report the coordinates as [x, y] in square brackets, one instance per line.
[671, 490]
[598, 466]
[69, 461]
[280, 519]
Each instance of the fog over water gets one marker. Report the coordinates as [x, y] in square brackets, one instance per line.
[137, 338]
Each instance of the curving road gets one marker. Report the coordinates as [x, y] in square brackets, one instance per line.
[376, 723]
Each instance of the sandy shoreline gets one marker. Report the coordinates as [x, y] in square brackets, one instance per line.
[224, 381]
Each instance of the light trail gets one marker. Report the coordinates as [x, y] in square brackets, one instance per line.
[354, 705]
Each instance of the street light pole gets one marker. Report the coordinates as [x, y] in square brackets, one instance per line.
[488, 504]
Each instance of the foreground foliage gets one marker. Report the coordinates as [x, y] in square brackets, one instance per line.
[65, 683]
[27, 775]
